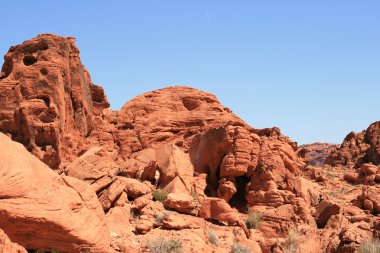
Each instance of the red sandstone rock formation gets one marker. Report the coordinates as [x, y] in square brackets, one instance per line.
[6, 246]
[47, 98]
[316, 153]
[41, 210]
[368, 174]
[178, 145]
[358, 148]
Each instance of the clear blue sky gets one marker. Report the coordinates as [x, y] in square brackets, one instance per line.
[311, 68]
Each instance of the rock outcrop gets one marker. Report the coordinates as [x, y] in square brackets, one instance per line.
[368, 174]
[358, 148]
[172, 162]
[316, 153]
[47, 100]
[40, 209]
[173, 114]
[370, 199]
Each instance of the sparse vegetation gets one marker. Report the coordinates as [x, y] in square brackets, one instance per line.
[160, 194]
[235, 232]
[160, 245]
[212, 237]
[238, 248]
[293, 241]
[160, 217]
[133, 216]
[338, 194]
[372, 246]
[333, 194]
[253, 220]
[195, 196]
[330, 175]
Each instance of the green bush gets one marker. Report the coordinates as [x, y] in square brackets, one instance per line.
[238, 248]
[160, 245]
[372, 246]
[253, 220]
[160, 194]
[293, 240]
[212, 237]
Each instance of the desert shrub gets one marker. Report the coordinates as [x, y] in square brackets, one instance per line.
[372, 246]
[195, 196]
[133, 216]
[253, 220]
[160, 194]
[160, 217]
[212, 237]
[293, 240]
[238, 248]
[160, 245]
[235, 232]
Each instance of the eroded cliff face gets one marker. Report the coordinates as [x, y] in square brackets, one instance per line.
[168, 163]
[48, 101]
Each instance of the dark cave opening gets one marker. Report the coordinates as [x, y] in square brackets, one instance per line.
[190, 103]
[239, 200]
[29, 60]
[212, 183]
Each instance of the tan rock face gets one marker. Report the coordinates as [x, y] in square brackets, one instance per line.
[91, 166]
[6, 246]
[358, 148]
[40, 209]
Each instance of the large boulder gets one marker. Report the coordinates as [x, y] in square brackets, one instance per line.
[219, 210]
[173, 162]
[324, 212]
[368, 174]
[91, 166]
[370, 199]
[182, 202]
[41, 210]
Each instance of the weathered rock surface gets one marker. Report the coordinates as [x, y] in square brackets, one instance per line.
[368, 174]
[370, 199]
[40, 209]
[209, 166]
[316, 153]
[324, 212]
[182, 202]
[358, 148]
[47, 100]
[6, 246]
[173, 114]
